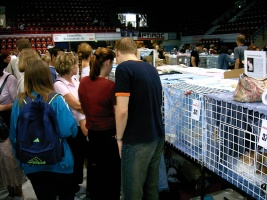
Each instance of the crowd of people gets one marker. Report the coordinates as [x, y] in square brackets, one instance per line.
[113, 129]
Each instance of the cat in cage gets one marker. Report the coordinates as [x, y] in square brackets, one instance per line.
[252, 166]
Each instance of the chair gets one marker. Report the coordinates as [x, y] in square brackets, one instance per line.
[32, 39]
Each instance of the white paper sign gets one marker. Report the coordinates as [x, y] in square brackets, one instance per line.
[74, 37]
[263, 134]
[255, 63]
[195, 113]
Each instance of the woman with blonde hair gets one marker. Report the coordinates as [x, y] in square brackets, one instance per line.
[25, 56]
[67, 85]
[84, 52]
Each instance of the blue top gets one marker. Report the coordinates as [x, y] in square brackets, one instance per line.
[67, 127]
[53, 73]
[223, 61]
[141, 82]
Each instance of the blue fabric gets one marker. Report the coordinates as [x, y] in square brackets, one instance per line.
[68, 128]
[140, 170]
[53, 73]
[163, 177]
[224, 60]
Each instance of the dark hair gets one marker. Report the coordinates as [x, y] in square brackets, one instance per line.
[5, 54]
[54, 51]
[224, 49]
[97, 60]
[161, 53]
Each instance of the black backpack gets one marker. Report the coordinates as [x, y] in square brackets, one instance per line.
[38, 139]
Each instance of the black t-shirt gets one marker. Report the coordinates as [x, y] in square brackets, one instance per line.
[195, 54]
[141, 81]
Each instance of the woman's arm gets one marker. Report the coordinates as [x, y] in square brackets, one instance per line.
[73, 102]
[5, 106]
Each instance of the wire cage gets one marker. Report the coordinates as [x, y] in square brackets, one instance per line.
[183, 131]
[232, 135]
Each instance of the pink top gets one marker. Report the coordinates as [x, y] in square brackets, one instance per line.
[64, 87]
[9, 91]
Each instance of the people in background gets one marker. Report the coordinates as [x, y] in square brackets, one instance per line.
[161, 53]
[212, 49]
[6, 58]
[67, 85]
[224, 59]
[46, 57]
[48, 181]
[182, 49]
[98, 101]
[26, 55]
[54, 52]
[194, 56]
[204, 51]
[84, 52]
[12, 67]
[139, 124]
[253, 47]
[12, 177]
[239, 51]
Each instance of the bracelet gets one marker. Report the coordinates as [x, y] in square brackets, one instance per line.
[117, 138]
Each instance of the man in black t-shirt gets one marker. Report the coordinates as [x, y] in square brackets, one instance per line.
[194, 58]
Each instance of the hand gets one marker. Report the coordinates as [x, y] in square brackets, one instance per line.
[120, 143]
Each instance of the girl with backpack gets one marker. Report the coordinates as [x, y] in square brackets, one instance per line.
[48, 180]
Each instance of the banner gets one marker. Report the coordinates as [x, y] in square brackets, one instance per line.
[74, 37]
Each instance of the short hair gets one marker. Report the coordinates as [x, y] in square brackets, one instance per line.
[65, 62]
[198, 45]
[54, 51]
[97, 61]
[241, 39]
[5, 54]
[46, 57]
[212, 46]
[126, 46]
[26, 55]
[23, 43]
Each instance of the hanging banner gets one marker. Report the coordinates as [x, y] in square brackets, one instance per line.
[74, 37]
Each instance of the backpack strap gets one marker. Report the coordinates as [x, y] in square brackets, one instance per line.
[51, 97]
[3, 84]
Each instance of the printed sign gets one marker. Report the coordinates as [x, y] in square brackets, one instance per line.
[263, 134]
[195, 113]
[74, 37]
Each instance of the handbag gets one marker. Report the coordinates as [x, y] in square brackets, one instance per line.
[249, 89]
[4, 130]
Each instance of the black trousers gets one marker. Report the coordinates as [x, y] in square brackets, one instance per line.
[78, 146]
[104, 166]
[49, 185]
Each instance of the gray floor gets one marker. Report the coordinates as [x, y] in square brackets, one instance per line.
[30, 195]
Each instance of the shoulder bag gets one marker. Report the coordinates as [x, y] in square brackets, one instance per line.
[249, 89]
[4, 130]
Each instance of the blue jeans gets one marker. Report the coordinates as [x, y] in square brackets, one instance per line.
[139, 170]
[163, 177]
